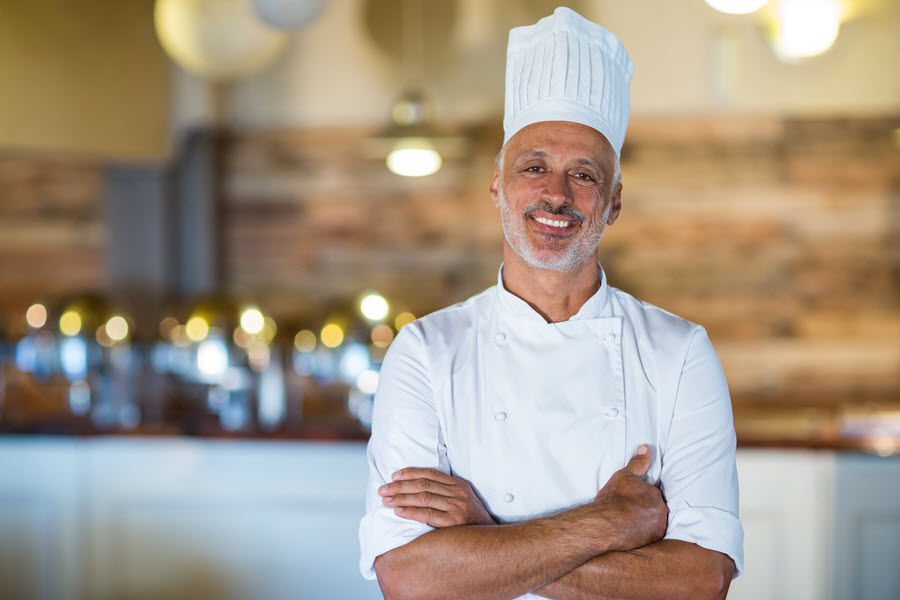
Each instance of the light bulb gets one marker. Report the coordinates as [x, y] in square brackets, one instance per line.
[737, 7]
[414, 157]
[806, 27]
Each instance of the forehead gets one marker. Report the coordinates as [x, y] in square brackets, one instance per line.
[561, 140]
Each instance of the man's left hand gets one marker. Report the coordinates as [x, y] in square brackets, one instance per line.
[435, 498]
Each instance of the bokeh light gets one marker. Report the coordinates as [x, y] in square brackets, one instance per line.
[258, 355]
[179, 336]
[36, 315]
[374, 307]
[196, 329]
[404, 318]
[305, 341]
[268, 330]
[167, 327]
[332, 335]
[70, 323]
[252, 320]
[382, 336]
[117, 328]
[241, 337]
[367, 382]
[103, 337]
[212, 357]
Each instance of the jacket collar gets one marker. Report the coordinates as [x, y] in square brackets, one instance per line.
[596, 307]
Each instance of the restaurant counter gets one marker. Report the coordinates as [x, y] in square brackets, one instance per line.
[162, 516]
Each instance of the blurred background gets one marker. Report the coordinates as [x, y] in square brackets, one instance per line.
[215, 215]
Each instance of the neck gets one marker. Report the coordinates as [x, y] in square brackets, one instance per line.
[555, 295]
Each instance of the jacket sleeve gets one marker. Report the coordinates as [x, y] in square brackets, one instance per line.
[405, 433]
[698, 476]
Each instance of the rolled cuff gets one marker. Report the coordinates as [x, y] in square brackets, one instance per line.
[381, 531]
[711, 528]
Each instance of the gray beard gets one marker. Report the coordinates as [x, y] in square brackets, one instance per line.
[562, 255]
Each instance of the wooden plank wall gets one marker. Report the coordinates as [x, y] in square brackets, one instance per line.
[780, 236]
[52, 231]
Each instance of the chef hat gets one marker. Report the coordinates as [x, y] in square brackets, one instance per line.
[566, 68]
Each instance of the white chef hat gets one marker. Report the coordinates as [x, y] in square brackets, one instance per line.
[566, 68]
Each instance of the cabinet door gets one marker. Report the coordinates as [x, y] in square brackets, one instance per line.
[39, 524]
[226, 520]
[785, 512]
[867, 528]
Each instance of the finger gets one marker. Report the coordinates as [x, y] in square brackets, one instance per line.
[640, 462]
[421, 500]
[421, 473]
[411, 486]
[427, 515]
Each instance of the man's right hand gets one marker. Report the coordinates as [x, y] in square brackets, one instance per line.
[634, 509]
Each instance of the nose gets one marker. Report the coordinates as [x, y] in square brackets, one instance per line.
[557, 191]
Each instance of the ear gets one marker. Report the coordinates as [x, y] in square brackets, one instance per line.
[495, 187]
[616, 205]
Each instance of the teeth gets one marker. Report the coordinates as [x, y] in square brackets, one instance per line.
[552, 223]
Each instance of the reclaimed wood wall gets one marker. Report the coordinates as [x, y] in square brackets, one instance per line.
[52, 231]
[780, 236]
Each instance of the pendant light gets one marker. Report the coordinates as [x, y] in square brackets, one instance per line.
[737, 7]
[411, 144]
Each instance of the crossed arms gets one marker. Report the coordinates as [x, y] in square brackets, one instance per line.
[611, 547]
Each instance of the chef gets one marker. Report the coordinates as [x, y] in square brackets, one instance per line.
[553, 436]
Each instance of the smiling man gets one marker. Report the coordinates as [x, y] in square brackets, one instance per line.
[553, 436]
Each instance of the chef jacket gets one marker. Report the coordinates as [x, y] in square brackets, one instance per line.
[537, 416]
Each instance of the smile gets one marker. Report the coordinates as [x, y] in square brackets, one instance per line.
[555, 223]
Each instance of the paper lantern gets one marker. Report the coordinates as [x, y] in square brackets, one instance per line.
[290, 15]
[218, 39]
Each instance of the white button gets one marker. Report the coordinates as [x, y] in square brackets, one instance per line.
[508, 498]
[610, 412]
[500, 416]
[500, 339]
[610, 338]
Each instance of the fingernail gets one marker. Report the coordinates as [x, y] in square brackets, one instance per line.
[395, 476]
[382, 489]
[399, 510]
[641, 451]
[388, 498]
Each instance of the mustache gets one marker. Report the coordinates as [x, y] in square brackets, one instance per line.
[565, 210]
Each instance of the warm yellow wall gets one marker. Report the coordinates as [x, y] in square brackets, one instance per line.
[689, 60]
[83, 77]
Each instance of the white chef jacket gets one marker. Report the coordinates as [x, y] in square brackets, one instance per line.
[537, 416]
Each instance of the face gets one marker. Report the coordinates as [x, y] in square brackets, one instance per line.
[556, 192]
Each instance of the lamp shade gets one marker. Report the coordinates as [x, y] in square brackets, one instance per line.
[221, 40]
[290, 15]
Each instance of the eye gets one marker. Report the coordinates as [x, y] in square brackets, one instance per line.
[533, 169]
[585, 176]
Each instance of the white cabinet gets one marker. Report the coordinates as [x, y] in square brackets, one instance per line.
[131, 518]
[195, 519]
[786, 514]
[867, 528]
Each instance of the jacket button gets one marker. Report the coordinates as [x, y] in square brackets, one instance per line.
[610, 412]
[610, 338]
[500, 339]
[500, 416]
[508, 498]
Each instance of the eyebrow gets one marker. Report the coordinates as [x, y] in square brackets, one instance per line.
[532, 154]
[581, 162]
